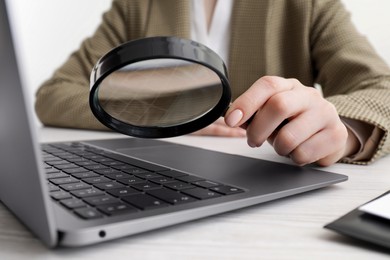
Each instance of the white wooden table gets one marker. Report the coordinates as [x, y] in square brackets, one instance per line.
[290, 228]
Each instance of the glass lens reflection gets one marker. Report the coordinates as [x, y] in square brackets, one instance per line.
[160, 92]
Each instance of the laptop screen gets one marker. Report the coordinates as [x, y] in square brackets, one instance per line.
[22, 188]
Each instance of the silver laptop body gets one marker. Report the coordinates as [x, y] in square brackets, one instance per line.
[24, 189]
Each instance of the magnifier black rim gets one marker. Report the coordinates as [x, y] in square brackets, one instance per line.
[158, 48]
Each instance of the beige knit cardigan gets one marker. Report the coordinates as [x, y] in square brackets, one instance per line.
[313, 41]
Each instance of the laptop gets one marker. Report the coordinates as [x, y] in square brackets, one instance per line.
[80, 193]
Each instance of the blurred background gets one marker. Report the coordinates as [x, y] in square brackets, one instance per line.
[47, 31]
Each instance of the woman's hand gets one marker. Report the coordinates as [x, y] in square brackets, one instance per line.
[311, 131]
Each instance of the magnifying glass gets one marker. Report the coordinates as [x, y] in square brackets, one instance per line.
[159, 87]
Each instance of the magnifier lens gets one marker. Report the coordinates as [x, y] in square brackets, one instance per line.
[159, 87]
[160, 92]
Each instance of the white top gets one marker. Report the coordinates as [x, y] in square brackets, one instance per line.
[218, 37]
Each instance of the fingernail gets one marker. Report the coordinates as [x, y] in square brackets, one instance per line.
[252, 145]
[234, 118]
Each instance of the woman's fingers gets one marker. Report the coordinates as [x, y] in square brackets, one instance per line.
[246, 105]
[295, 119]
[219, 128]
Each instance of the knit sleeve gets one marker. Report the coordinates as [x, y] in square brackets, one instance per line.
[63, 100]
[352, 75]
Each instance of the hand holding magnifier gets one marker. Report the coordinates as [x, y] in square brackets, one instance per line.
[159, 87]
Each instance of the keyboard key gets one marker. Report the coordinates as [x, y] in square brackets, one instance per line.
[105, 199]
[123, 167]
[61, 154]
[109, 185]
[95, 167]
[50, 170]
[96, 158]
[131, 180]
[87, 192]
[109, 162]
[95, 180]
[144, 201]
[56, 175]
[107, 171]
[53, 187]
[77, 160]
[75, 170]
[135, 171]
[73, 203]
[60, 181]
[83, 175]
[49, 158]
[117, 175]
[60, 195]
[117, 208]
[125, 191]
[146, 186]
[227, 190]
[57, 162]
[88, 213]
[147, 175]
[66, 166]
[205, 184]
[201, 193]
[179, 185]
[170, 196]
[84, 163]
[75, 186]
[162, 180]
[68, 156]
[190, 178]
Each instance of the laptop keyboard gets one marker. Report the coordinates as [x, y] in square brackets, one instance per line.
[94, 183]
